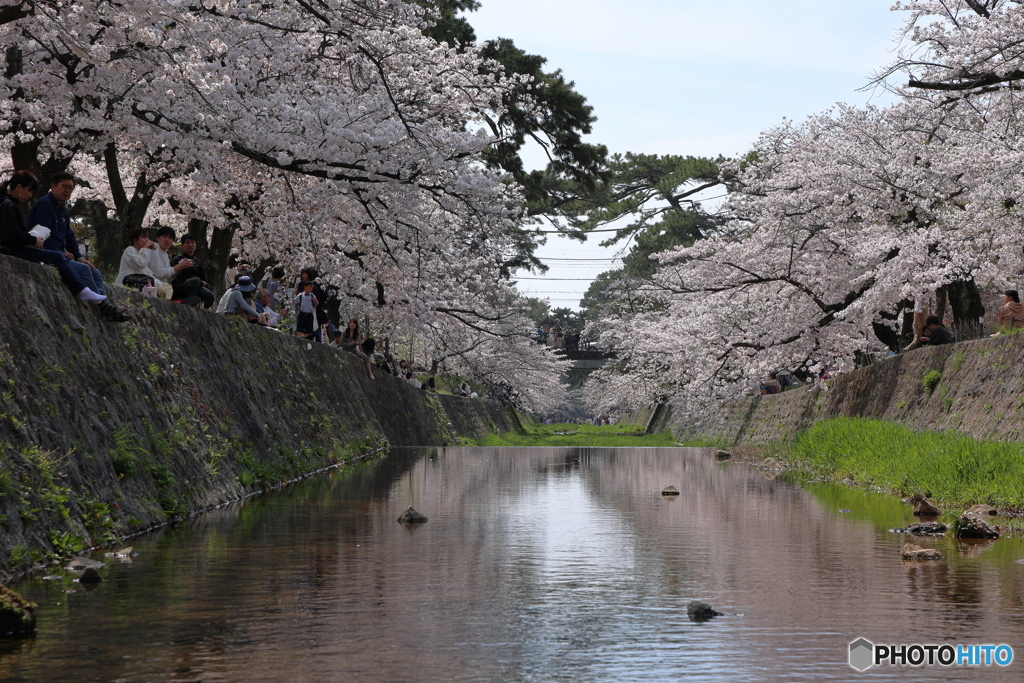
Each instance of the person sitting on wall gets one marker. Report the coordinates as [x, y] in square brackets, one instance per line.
[191, 279]
[934, 334]
[1010, 315]
[51, 212]
[137, 258]
[236, 301]
[352, 340]
[464, 389]
[771, 385]
[413, 381]
[262, 305]
[160, 264]
[16, 240]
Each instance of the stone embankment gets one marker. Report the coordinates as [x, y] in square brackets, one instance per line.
[973, 388]
[109, 429]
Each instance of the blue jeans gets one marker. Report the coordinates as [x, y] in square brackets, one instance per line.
[66, 268]
[92, 278]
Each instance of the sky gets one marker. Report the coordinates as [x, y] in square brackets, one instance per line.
[691, 77]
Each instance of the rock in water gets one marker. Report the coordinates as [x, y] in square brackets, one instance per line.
[82, 563]
[700, 611]
[16, 617]
[670, 491]
[925, 508]
[971, 525]
[90, 575]
[722, 455]
[926, 528]
[916, 552]
[983, 510]
[410, 516]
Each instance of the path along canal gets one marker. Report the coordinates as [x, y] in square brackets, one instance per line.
[536, 565]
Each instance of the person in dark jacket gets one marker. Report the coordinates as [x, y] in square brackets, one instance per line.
[191, 281]
[934, 334]
[50, 212]
[17, 241]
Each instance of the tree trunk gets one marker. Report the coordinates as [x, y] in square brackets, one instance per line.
[965, 303]
[940, 304]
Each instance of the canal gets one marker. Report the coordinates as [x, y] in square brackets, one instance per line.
[537, 564]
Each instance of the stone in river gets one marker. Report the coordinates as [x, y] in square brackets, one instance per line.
[916, 552]
[924, 508]
[16, 617]
[90, 575]
[410, 516]
[983, 510]
[722, 455]
[82, 563]
[670, 491]
[700, 611]
[926, 528]
[971, 525]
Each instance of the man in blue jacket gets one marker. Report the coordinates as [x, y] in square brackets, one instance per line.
[51, 212]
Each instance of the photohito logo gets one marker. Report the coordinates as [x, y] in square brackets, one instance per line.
[864, 654]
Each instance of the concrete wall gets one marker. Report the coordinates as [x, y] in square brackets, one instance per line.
[107, 429]
[979, 392]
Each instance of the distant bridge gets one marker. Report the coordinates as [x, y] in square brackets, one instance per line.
[590, 359]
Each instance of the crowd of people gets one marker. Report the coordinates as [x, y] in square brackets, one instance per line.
[568, 339]
[178, 274]
[51, 240]
[929, 331]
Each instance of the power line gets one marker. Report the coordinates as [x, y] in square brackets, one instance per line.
[559, 258]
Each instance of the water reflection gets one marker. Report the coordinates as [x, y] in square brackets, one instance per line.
[536, 564]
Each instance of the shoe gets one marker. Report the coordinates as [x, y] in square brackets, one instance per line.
[89, 295]
[112, 313]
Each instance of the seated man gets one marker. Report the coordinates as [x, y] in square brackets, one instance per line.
[51, 212]
[137, 257]
[160, 263]
[934, 334]
[1010, 315]
[191, 279]
[16, 240]
[262, 305]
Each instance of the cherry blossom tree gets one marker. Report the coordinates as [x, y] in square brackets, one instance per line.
[333, 134]
[836, 222]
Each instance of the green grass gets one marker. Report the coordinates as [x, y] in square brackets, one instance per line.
[947, 467]
[608, 436]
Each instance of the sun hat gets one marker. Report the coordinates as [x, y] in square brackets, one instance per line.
[244, 284]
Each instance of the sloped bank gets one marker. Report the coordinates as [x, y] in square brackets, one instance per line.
[972, 388]
[109, 429]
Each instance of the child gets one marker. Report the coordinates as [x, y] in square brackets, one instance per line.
[306, 304]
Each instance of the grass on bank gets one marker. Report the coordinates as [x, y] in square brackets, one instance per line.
[606, 436]
[947, 467]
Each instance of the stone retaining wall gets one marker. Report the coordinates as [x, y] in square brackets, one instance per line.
[975, 388]
[108, 429]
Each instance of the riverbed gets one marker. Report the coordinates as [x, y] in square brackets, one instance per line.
[536, 564]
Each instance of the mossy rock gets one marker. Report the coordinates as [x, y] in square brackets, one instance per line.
[16, 617]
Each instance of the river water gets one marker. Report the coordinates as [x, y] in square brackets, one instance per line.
[536, 565]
